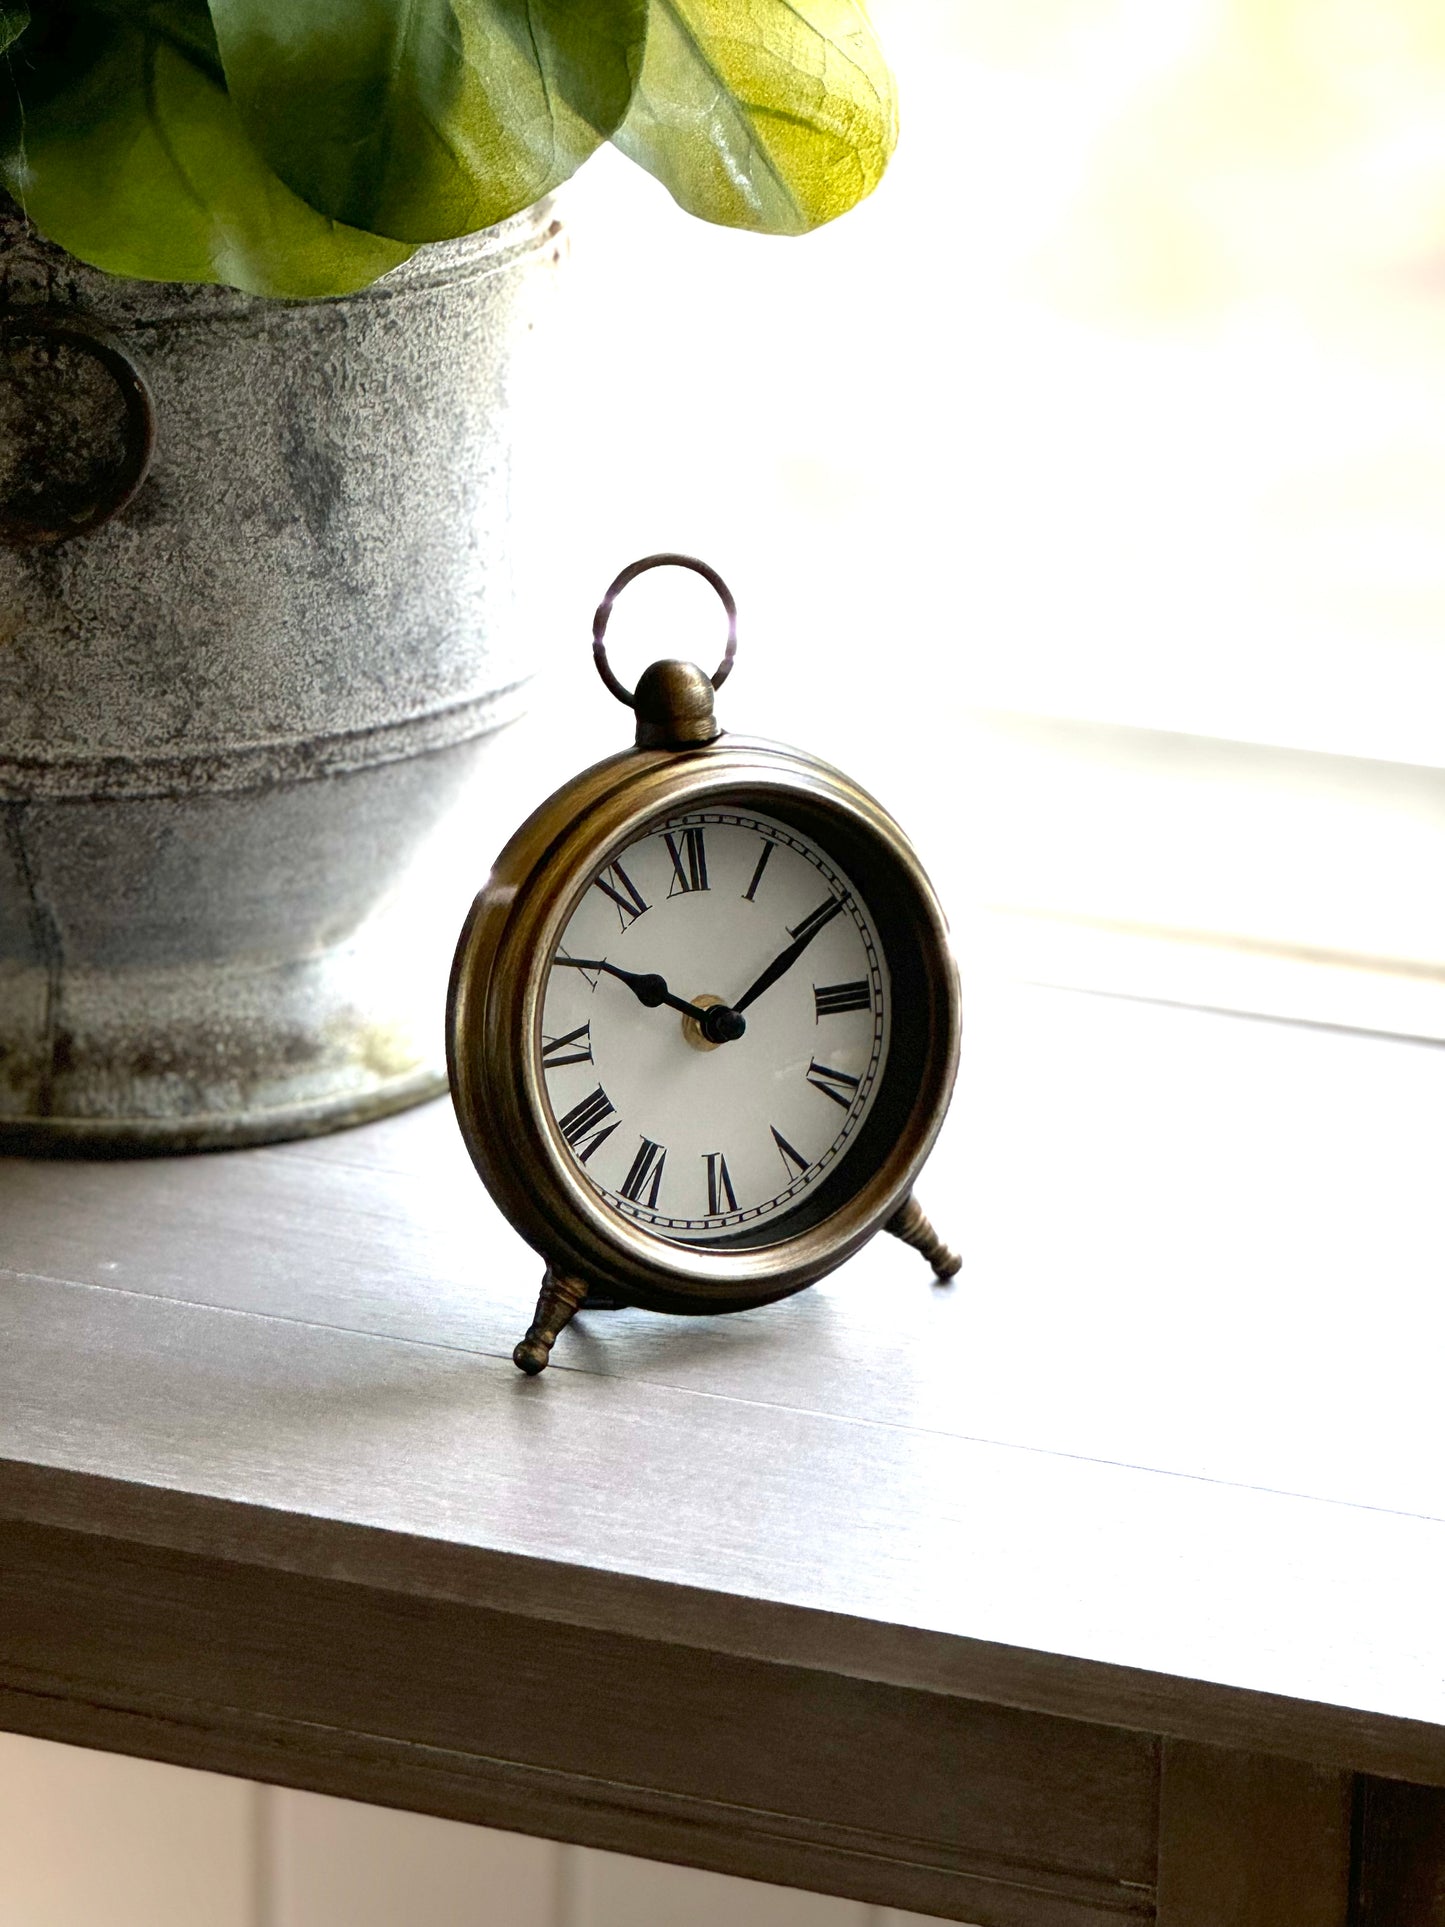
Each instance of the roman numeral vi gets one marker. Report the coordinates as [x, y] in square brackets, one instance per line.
[720, 1194]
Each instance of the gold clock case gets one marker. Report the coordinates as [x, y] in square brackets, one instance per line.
[494, 1029]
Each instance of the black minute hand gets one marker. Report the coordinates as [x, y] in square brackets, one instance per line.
[802, 936]
[646, 986]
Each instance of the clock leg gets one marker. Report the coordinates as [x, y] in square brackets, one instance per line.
[560, 1299]
[909, 1224]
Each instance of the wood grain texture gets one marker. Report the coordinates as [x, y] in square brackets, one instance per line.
[740, 1766]
[270, 1472]
[943, 1562]
[1400, 1855]
[1246, 1841]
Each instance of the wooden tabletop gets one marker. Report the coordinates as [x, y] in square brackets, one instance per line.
[1164, 1462]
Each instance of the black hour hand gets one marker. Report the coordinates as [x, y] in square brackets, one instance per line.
[646, 986]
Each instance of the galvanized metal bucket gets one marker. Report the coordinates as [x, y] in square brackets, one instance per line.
[256, 634]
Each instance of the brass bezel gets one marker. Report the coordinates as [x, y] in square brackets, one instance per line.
[494, 1014]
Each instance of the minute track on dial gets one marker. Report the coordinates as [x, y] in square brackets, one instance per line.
[719, 915]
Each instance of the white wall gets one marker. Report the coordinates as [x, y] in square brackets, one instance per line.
[94, 1840]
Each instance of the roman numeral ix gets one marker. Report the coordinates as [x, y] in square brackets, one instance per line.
[557, 1051]
[689, 862]
[720, 1194]
[614, 882]
[580, 1125]
[830, 999]
[646, 1174]
[589, 971]
[835, 1084]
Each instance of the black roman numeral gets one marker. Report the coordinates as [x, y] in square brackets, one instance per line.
[585, 964]
[793, 1161]
[579, 1126]
[614, 882]
[555, 1051]
[720, 1193]
[830, 999]
[815, 919]
[752, 888]
[832, 1084]
[689, 864]
[646, 1172]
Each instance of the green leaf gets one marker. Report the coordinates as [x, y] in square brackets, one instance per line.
[429, 118]
[124, 147]
[14, 19]
[769, 114]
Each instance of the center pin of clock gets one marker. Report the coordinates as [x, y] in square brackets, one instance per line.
[706, 1032]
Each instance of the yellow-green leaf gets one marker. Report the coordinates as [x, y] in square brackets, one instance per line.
[769, 114]
[14, 19]
[128, 152]
[429, 118]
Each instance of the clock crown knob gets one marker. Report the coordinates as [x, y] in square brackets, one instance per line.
[674, 706]
[674, 699]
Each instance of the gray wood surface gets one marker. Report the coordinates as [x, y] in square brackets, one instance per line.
[1162, 1466]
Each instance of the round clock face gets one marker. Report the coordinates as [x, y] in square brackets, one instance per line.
[715, 1024]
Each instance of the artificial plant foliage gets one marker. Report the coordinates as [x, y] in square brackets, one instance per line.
[300, 147]
[14, 19]
[769, 114]
[434, 118]
[125, 147]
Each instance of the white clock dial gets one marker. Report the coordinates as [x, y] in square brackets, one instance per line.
[700, 1127]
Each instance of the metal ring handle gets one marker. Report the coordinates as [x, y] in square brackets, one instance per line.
[604, 613]
[139, 430]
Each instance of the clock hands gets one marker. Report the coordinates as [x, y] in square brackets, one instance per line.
[802, 936]
[718, 1023]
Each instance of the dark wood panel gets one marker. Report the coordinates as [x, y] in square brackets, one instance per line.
[1400, 1865]
[887, 1795]
[1249, 1841]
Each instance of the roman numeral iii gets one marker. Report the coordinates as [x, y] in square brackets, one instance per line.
[646, 1174]
[614, 882]
[720, 1194]
[835, 1084]
[689, 861]
[557, 1051]
[581, 1125]
[830, 999]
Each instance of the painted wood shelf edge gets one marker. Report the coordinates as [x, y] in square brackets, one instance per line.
[120, 1515]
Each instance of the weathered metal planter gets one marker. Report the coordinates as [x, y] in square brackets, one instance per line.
[247, 683]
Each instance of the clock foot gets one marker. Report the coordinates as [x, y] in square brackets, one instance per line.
[560, 1300]
[909, 1224]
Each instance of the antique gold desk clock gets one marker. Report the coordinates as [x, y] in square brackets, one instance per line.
[703, 1020]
